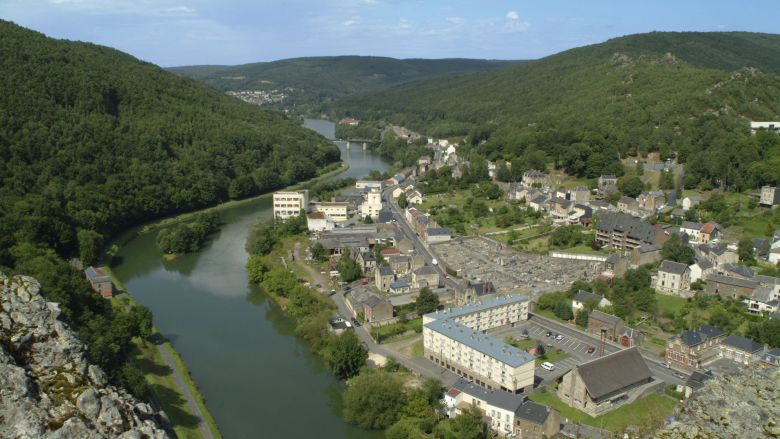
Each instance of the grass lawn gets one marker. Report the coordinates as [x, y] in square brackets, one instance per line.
[417, 349]
[520, 343]
[388, 332]
[552, 357]
[652, 409]
[669, 304]
[583, 249]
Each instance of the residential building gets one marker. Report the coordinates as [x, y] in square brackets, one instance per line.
[318, 222]
[628, 205]
[437, 234]
[694, 382]
[388, 253]
[455, 339]
[645, 254]
[622, 231]
[585, 299]
[692, 229]
[729, 287]
[770, 359]
[579, 195]
[468, 291]
[606, 383]
[506, 413]
[425, 276]
[369, 184]
[774, 255]
[535, 177]
[616, 265]
[673, 278]
[337, 325]
[333, 210]
[764, 126]
[717, 255]
[400, 264]
[742, 350]
[769, 196]
[288, 204]
[100, 281]
[692, 349]
[399, 287]
[349, 121]
[374, 307]
[738, 271]
[367, 262]
[607, 180]
[708, 232]
[560, 208]
[383, 277]
[763, 300]
[372, 206]
[700, 270]
[689, 202]
[414, 197]
[598, 321]
[651, 201]
[630, 337]
[539, 203]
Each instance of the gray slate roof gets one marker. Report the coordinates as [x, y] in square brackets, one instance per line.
[728, 280]
[691, 225]
[622, 222]
[583, 296]
[697, 379]
[672, 267]
[478, 306]
[700, 335]
[742, 343]
[425, 270]
[384, 270]
[496, 398]
[741, 270]
[604, 317]
[613, 372]
[438, 231]
[488, 345]
[533, 412]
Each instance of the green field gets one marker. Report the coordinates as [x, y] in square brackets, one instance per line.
[648, 412]
[552, 357]
[669, 305]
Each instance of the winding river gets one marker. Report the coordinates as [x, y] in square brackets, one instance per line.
[258, 379]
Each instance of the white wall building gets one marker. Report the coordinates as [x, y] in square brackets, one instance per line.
[288, 204]
[335, 211]
[372, 205]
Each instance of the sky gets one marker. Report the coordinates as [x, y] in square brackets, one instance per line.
[187, 32]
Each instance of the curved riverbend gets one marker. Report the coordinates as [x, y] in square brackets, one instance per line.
[258, 379]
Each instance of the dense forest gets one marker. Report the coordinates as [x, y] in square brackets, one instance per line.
[685, 95]
[321, 79]
[93, 141]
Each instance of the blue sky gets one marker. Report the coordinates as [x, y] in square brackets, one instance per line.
[182, 32]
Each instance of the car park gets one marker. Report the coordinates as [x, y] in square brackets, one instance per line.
[558, 337]
[549, 334]
[591, 350]
[548, 366]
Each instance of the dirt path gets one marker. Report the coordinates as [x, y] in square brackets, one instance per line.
[205, 431]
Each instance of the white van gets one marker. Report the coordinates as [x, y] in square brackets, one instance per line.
[548, 366]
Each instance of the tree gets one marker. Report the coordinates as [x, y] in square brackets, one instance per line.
[318, 252]
[745, 251]
[256, 268]
[467, 425]
[373, 400]
[667, 180]
[405, 428]
[563, 311]
[582, 318]
[631, 186]
[90, 243]
[347, 355]
[427, 301]
[144, 321]
[402, 201]
[348, 268]
[566, 236]
[675, 250]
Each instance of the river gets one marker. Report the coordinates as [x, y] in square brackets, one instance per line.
[258, 379]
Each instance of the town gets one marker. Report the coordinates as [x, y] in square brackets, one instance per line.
[531, 337]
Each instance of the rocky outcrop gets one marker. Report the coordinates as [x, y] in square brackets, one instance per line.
[47, 387]
[746, 405]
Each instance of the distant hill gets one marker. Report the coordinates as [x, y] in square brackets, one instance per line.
[689, 93]
[320, 79]
[93, 140]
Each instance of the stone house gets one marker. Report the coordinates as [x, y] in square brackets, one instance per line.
[374, 307]
[742, 350]
[729, 287]
[399, 264]
[535, 177]
[425, 276]
[674, 279]
[700, 270]
[628, 205]
[467, 292]
[651, 201]
[606, 383]
[694, 348]
[645, 254]
[585, 299]
[769, 196]
[598, 320]
[606, 180]
[717, 255]
[689, 202]
[383, 277]
[367, 261]
[100, 281]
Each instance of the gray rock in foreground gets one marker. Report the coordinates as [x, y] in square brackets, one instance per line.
[733, 406]
[47, 387]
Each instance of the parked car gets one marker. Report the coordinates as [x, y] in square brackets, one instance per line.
[679, 375]
[549, 334]
[548, 366]
[591, 350]
[364, 282]
[558, 337]
[355, 322]
[524, 334]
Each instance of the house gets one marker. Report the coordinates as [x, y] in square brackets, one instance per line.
[399, 287]
[536, 178]
[690, 201]
[396, 192]
[424, 160]
[579, 195]
[598, 321]
[692, 229]
[694, 348]
[383, 277]
[539, 203]
[770, 359]
[414, 197]
[369, 184]
[318, 222]
[700, 270]
[694, 382]
[741, 350]
[399, 264]
[333, 210]
[585, 299]
[622, 231]
[774, 256]
[338, 324]
[372, 206]
[615, 265]
[425, 276]
[708, 232]
[559, 207]
[606, 383]
[763, 300]
[367, 261]
[385, 216]
[769, 196]
[630, 337]
[437, 234]
[717, 255]
[607, 180]
[674, 279]
[645, 254]
[738, 271]
[582, 214]
[517, 191]
[651, 201]
[764, 126]
[349, 121]
[505, 413]
[729, 287]
[100, 281]
[288, 204]
[628, 205]
[387, 253]
[468, 291]
[345, 243]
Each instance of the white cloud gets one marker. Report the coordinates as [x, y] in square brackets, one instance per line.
[454, 20]
[512, 15]
[352, 21]
[404, 24]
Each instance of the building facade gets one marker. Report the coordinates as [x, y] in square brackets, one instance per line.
[333, 210]
[288, 204]
[674, 279]
[694, 348]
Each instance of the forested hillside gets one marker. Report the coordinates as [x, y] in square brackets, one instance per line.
[319, 79]
[93, 141]
[685, 94]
